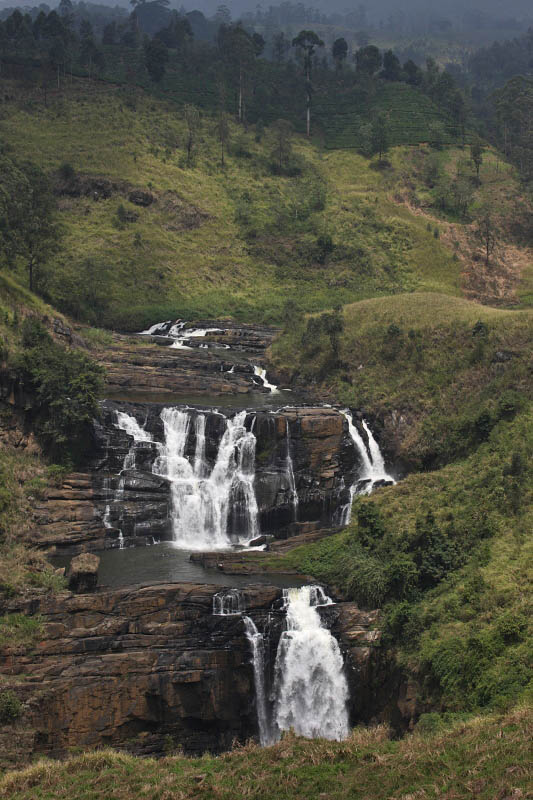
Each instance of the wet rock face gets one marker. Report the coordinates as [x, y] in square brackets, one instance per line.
[143, 669]
[91, 511]
[135, 668]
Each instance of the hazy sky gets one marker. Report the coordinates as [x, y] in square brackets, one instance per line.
[376, 9]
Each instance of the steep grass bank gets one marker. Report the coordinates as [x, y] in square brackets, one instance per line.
[448, 556]
[484, 756]
[48, 397]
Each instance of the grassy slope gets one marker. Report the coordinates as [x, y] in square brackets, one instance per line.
[486, 757]
[468, 640]
[431, 367]
[24, 472]
[212, 270]
[444, 399]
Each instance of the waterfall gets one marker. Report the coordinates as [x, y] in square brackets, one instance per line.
[373, 464]
[290, 473]
[179, 333]
[211, 509]
[257, 644]
[130, 425]
[259, 372]
[311, 691]
[228, 603]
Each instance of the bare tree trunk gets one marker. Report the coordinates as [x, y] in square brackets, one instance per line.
[308, 114]
[240, 93]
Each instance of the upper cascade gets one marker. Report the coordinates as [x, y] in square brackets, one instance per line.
[372, 464]
[212, 507]
[260, 372]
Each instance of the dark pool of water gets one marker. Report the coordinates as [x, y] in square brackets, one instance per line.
[167, 564]
[253, 400]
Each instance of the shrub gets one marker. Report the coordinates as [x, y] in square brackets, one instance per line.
[10, 707]
[67, 171]
[370, 527]
[66, 386]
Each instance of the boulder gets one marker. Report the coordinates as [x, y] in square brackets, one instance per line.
[140, 197]
[83, 573]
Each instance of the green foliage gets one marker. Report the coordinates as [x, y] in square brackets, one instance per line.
[19, 628]
[436, 358]
[67, 385]
[447, 557]
[29, 232]
[10, 707]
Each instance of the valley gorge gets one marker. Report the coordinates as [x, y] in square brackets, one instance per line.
[178, 485]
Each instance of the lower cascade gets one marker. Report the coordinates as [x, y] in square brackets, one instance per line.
[310, 692]
[212, 508]
[257, 644]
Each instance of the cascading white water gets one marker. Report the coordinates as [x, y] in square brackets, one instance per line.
[260, 372]
[290, 473]
[178, 332]
[257, 645]
[228, 603]
[311, 691]
[130, 425]
[204, 500]
[373, 464]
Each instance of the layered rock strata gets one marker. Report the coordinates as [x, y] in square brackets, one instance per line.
[91, 511]
[151, 669]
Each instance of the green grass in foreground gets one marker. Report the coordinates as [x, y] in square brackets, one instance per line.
[484, 757]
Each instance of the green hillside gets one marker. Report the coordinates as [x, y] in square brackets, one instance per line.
[410, 114]
[239, 240]
[446, 552]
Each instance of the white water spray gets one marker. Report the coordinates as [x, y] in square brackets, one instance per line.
[372, 464]
[130, 425]
[290, 473]
[260, 373]
[205, 500]
[257, 645]
[311, 691]
[230, 602]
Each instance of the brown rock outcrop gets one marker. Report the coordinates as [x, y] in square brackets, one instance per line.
[134, 668]
[143, 669]
[82, 573]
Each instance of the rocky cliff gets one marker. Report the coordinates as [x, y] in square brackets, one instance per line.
[148, 669]
[73, 518]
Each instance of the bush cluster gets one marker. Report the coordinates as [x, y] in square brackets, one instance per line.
[65, 385]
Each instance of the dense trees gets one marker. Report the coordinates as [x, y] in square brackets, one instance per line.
[155, 58]
[513, 123]
[339, 51]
